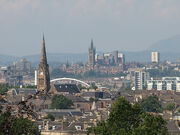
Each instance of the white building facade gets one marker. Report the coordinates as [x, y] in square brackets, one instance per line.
[155, 57]
[166, 83]
[141, 78]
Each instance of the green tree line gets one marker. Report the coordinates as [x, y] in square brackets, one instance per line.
[59, 73]
[128, 119]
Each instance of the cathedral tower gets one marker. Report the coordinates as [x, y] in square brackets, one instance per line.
[43, 71]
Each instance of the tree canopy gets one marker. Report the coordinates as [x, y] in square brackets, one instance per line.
[170, 106]
[4, 88]
[161, 73]
[12, 125]
[151, 104]
[61, 102]
[88, 74]
[128, 119]
[50, 116]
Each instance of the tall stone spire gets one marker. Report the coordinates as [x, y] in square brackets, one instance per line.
[43, 52]
[43, 71]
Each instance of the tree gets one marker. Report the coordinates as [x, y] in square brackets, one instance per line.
[50, 116]
[91, 99]
[123, 116]
[12, 125]
[151, 104]
[81, 87]
[151, 125]
[128, 87]
[93, 87]
[170, 106]
[128, 119]
[4, 88]
[61, 102]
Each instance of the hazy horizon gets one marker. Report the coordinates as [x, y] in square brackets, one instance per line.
[127, 25]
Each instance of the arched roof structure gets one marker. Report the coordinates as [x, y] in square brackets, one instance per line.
[71, 79]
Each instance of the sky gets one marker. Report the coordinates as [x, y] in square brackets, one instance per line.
[69, 25]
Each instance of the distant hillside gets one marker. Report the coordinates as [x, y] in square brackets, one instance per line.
[53, 59]
[57, 59]
[168, 45]
[7, 60]
[169, 50]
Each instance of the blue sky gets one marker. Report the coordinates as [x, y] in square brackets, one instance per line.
[69, 25]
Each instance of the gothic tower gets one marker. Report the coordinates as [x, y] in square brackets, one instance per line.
[43, 71]
[92, 52]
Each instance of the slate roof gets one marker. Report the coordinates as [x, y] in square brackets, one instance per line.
[172, 127]
[97, 94]
[76, 98]
[66, 112]
[24, 91]
[69, 88]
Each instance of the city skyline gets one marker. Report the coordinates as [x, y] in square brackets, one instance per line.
[126, 25]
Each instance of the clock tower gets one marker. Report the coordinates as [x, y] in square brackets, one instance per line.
[43, 71]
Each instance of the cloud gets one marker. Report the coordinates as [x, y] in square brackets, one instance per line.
[15, 7]
[112, 9]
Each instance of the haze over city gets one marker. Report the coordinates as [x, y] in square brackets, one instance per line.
[89, 67]
[125, 25]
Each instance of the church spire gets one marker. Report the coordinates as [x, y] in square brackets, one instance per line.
[43, 52]
[43, 71]
[91, 43]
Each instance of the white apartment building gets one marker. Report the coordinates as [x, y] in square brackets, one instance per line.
[141, 78]
[155, 57]
[166, 83]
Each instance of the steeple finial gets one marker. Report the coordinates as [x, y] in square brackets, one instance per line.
[43, 52]
[91, 43]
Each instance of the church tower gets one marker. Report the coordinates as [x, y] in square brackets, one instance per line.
[92, 52]
[43, 71]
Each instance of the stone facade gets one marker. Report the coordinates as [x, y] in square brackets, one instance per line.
[43, 72]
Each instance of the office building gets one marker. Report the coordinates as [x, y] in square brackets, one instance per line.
[121, 58]
[115, 55]
[23, 65]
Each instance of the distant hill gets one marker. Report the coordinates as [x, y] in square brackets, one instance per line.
[53, 58]
[171, 45]
[58, 58]
[7, 60]
[169, 50]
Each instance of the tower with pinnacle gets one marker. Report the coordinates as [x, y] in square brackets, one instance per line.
[43, 71]
[92, 52]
